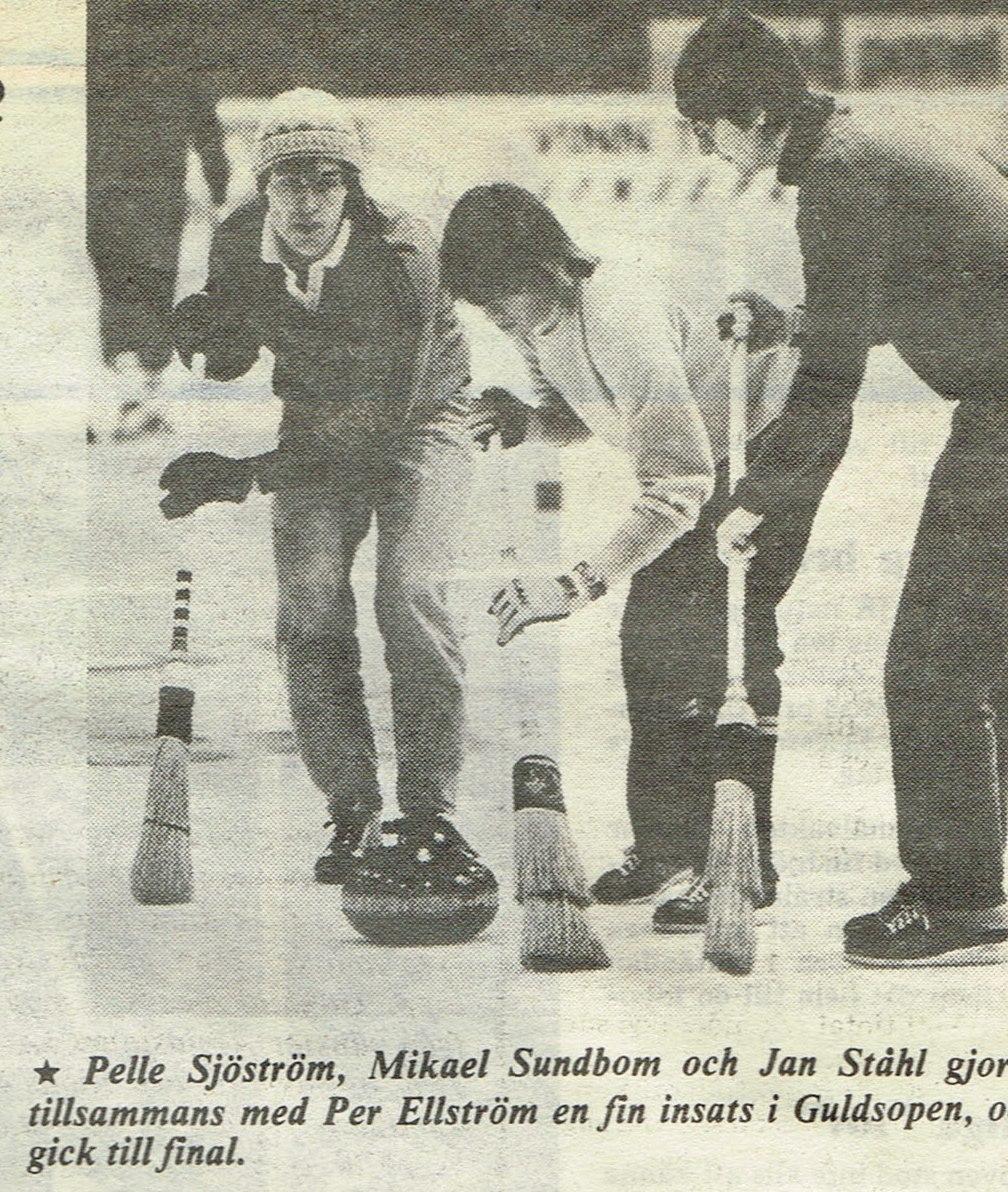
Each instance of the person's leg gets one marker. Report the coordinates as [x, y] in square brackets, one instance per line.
[419, 527]
[944, 683]
[316, 532]
[748, 755]
[670, 657]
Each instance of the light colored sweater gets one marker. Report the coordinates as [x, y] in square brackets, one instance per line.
[650, 379]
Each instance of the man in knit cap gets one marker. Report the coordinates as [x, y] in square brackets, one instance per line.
[904, 238]
[372, 372]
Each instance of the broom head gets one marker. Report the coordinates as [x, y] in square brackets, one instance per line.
[162, 868]
[557, 938]
[733, 869]
[550, 881]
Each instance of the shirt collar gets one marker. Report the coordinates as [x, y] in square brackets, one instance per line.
[272, 255]
[311, 295]
[806, 134]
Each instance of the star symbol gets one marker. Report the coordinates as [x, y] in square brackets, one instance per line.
[47, 1073]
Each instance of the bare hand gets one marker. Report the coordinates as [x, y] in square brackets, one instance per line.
[734, 536]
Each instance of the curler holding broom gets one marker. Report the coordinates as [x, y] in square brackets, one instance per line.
[610, 353]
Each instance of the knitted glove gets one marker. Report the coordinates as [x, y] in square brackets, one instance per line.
[498, 412]
[200, 477]
[203, 323]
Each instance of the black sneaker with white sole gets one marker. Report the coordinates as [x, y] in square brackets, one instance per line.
[912, 932]
[687, 912]
[638, 879]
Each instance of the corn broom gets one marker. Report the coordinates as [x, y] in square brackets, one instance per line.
[162, 868]
[733, 864]
[550, 882]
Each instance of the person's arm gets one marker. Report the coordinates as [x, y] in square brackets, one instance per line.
[211, 322]
[675, 474]
[208, 140]
[845, 241]
[553, 420]
[672, 459]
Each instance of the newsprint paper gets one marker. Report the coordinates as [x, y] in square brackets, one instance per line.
[505, 602]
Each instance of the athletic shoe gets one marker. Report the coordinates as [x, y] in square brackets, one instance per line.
[350, 836]
[911, 932]
[638, 879]
[688, 911]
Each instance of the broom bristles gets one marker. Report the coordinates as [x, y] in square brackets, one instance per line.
[736, 883]
[547, 864]
[162, 869]
[556, 937]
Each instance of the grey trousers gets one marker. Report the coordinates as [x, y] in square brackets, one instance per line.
[411, 480]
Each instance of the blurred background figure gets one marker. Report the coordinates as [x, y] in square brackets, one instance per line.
[148, 104]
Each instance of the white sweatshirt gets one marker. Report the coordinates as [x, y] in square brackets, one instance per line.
[650, 379]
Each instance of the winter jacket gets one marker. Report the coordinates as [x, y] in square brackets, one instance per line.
[327, 358]
[904, 239]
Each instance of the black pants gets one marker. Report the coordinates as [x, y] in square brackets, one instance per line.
[946, 680]
[674, 669]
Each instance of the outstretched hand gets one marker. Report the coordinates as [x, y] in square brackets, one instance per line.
[199, 477]
[526, 601]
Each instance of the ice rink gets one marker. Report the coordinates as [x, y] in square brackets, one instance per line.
[261, 940]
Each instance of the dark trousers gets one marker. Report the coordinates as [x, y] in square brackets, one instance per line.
[674, 669]
[946, 680]
[134, 232]
[412, 482]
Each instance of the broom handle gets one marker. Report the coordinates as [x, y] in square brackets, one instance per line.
[736, 704]
[179, 651]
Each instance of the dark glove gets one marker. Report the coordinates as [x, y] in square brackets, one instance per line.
[202, 323]
[498, 412]
[769, 325]
[199, 477]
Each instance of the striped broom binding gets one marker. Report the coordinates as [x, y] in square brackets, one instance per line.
[162, 868]
[175, 702]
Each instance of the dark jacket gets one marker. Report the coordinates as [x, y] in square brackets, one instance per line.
[245, 306]
[904, 240]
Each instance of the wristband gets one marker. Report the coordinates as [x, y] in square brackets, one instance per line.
[592, 584]
[571, 590]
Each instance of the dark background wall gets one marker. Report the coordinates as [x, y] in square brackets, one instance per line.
[367, 47]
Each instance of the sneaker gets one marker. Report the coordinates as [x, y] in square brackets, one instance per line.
[687, 912]
[350, 837]
[860, 924]
[638, 879]
[910, 932]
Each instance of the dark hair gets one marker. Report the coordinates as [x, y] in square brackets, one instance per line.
[499, 238]
[734, 67]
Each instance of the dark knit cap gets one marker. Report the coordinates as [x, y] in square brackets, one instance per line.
[733, 68]
[499, 237]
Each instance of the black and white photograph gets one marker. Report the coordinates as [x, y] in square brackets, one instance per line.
[506, 600]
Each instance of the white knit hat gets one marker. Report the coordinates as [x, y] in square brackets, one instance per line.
[306, 122]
